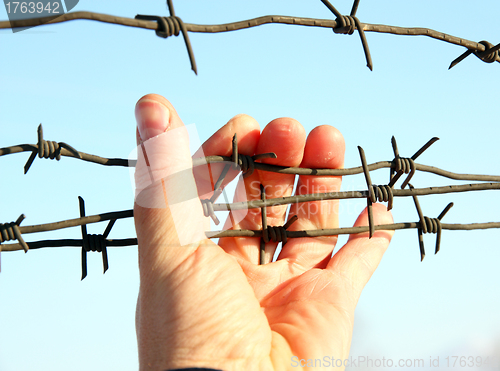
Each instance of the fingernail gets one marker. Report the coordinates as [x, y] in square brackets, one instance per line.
[152, 118]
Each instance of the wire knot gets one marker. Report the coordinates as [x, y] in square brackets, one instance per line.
[277, 233]
[403, 165]
[48, 149]
[11, 231]
[431, 225]
[208, 206]
[169, 26]
[245, 162]
[489, 55]
[95, 243]
[382, 193]
[346, 25]
[247, 165]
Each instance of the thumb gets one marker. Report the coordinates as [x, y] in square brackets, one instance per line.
[358, 259]
[167, 211]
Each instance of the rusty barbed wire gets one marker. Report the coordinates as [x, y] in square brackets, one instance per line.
[54, 150]
[249, 164]
[343, 24]
[380, 193]
[275, 234]
[284, 235]
[173, 26]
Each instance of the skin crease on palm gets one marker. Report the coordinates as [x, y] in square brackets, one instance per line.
[209, 305]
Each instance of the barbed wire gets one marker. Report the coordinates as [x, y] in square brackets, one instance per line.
[246, 164]
[343, 24]
[398, 165]
[173, 25]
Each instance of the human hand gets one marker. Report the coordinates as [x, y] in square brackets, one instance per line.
[208, 305]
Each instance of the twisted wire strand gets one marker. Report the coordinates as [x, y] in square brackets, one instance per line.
[33, 148]
[353, 230]
[474, 47]
[258, 233]
[349, 171]
[40, 244]
[268, 202]
[343, 195]
[54, 150]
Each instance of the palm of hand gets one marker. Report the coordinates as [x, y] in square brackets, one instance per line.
[213, 306]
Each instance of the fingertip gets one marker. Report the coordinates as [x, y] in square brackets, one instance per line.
[157, 98]
[155, 115]
[286, 137]
[248, 130]
[220, 143]
[325, 148]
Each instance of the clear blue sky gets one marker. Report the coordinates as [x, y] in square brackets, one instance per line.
[81, 79]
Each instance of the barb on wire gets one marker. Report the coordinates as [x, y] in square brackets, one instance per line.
[93, 242]
[54, 150]
[371, 194]
[271, 233]
[405, 165]
[167, 26]
[347, 24]
[428, 225]
[489, 55]
[11, 231]
[245, 162]
[48, 149]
